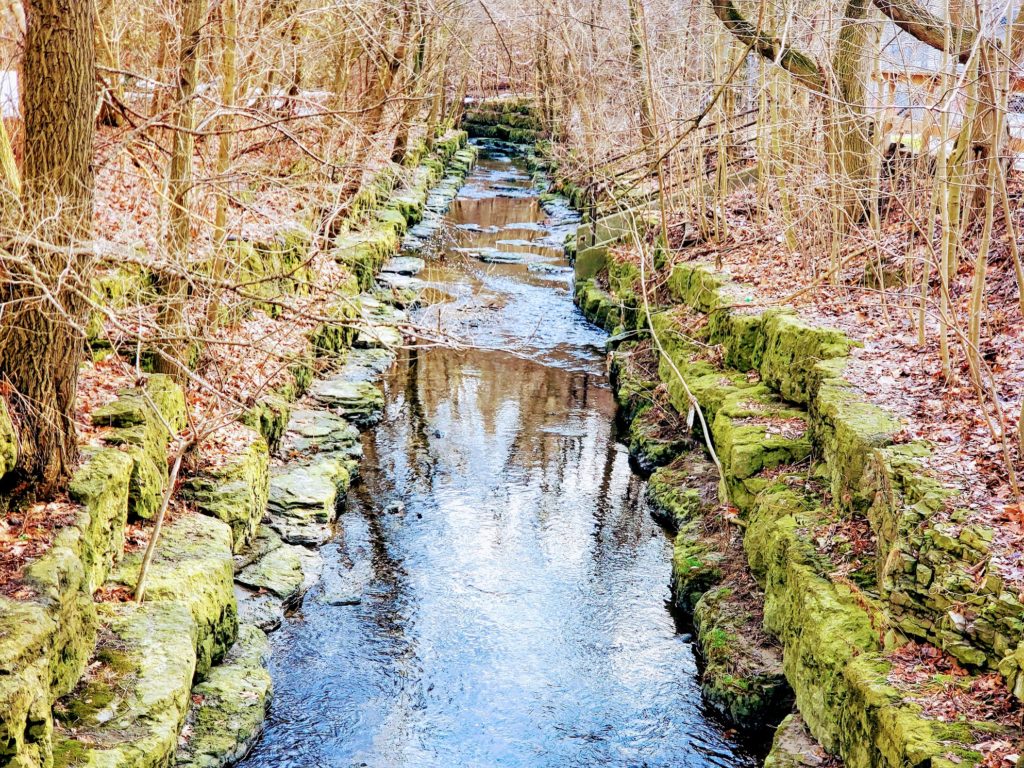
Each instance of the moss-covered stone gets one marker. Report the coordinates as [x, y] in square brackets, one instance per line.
[832, 646]
[26, 725]
[193, 567]
[657, 435]
[235, 492]
[742, 674]
[304, 498]
[696, 566]
[794, 747]
[269, 417]
[792, 350]
[365, 251]
[278, 571]
[130, 708]
[229, 707]
[102, 486]
[358, 401]
[144, 421]
[313, 433]
[847, 429]
[683, 491]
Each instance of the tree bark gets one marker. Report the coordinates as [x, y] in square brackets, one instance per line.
[173, 350]
[637, 37]
[41, 342]
[850, 129]
[924, 25]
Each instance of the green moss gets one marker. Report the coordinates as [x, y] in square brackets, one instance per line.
[193, 567]
[683, 491]
[696, 566]
[144, 421]
[236, 492]
[8, 440]
[742, 677]
[793, 746]
[364, 252]
[130, 713]
[26, 630]
[847, 429]
[792, 350]
[102, 486]
[657, 436]
[231, 705]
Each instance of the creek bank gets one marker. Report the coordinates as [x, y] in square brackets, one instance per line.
[88, 680]
[811, 471]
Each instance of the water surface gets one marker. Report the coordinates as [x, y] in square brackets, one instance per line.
[511, 584]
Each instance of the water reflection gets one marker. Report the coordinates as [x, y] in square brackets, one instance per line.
[512, 585]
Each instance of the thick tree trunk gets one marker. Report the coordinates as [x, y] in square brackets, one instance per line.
[850, 129]
[413, 89]
[173, 351]
[40, 340]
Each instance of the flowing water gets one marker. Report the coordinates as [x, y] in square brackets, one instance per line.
[508, 586]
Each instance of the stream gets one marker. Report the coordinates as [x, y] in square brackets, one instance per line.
[508, 587]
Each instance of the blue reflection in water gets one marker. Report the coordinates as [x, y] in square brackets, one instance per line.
[513, 608]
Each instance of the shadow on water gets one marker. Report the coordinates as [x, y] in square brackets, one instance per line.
[508, 586]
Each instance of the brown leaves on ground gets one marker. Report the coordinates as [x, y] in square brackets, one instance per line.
[948, 692]
[25, 534]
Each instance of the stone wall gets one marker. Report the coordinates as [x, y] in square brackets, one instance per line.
[800, 448]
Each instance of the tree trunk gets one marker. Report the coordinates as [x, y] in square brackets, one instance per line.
[637, 37]
[229, 81]
[107, 51]
[413, 89]
[850, 129]
[41, 340]
[173, 350]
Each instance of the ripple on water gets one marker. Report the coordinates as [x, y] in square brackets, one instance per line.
[512, 607]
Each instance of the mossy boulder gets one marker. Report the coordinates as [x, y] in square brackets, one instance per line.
[358, 401]
[193, 567]
[229, 707]
[235, 492]
[696, 566]
[26, 725]
[143, 421]
[742, 675]
[102, 485]
[363, 252]
[130, 707]
[279, 571]
[313, 432]
[794, 747]
[792, 350]
[657, 435]
[683, 491]
[848, 429]
[304, 498]
[755, 432]
[832, 646]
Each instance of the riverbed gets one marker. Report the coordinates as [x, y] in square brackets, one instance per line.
[496, 593]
